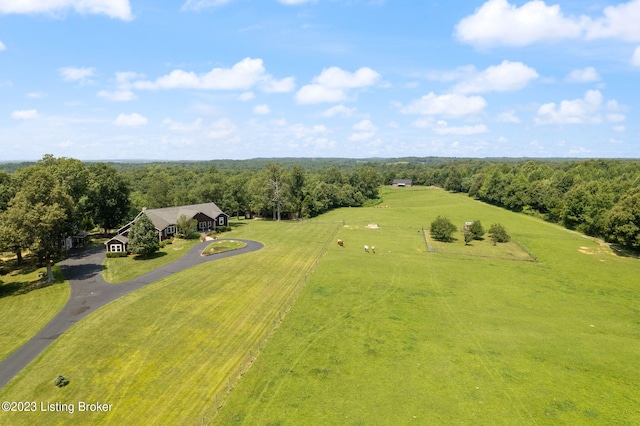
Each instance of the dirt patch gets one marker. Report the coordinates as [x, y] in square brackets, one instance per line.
[585, 250]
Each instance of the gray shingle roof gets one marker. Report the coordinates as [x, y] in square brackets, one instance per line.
[166, 216]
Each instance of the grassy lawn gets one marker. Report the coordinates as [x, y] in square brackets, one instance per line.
[121, 269]
[479, 248]
[26, 305]
[410, 337]
[402, 336]
[165, 351]
[223, 246]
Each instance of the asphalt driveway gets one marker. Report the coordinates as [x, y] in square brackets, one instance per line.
[89, 292]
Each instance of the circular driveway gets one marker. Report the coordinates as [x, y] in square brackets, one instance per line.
[89, 291]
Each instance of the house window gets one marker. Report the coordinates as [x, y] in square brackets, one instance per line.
[115, 247]
[221, 221]
[171, 229]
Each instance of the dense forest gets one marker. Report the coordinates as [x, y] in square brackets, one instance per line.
[41, 202]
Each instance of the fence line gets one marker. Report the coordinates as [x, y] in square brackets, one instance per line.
[234, 378]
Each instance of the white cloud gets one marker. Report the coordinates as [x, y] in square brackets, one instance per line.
[365, 131]
[131, 120]
[271, 85]
[444, 129]
[27, 114]
[340, 110]
[615, 141]
[203, 4]
[332, 85]
[221, 129]
[262, 109]
[508, 117]
[586, 75]
[619, 22]
[619, 129]
[506, 77]
[81, 75]
[119, 9]
[246, 96]
[181, 127]
[118, 95]
[2, 46]
[36, 95]
[361, 136]
[449, 105]
[242, 76]
[576, 111]
[497, 22]
[635, 58]
[365, 126]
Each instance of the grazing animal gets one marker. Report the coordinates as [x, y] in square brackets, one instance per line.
[373, 249]
[341, 243]
[366, 248]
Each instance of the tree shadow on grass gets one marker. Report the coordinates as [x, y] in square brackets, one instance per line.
[624, 251]
[155, 255]
[18, 288]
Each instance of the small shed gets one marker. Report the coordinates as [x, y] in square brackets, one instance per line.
[80, 239]
[402, 183]
[118, 244]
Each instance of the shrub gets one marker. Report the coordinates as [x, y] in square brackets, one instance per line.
[61, 381]
[193, 236]
[114, 254]
[476, 230]
[223, 229]
[498, 234]
[442, 229]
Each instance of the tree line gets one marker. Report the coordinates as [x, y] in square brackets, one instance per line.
[57, 197]
[600, 198]
[45, 202]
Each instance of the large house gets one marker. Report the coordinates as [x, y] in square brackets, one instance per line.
[208, 216]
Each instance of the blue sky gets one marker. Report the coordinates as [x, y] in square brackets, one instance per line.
[236, 79]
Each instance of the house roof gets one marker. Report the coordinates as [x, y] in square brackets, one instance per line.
[166, 216]
[405, 181]
[120, 238]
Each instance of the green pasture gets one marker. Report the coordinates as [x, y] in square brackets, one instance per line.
[160, 355]
[402, 336]
[121, 269]
[410, 337]
[27, 304]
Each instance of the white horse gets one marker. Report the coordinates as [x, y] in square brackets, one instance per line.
[366, 248]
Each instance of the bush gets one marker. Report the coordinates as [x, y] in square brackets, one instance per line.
[476, 230]
[223, 229]
[114, 254]
[498, 234]
[193, 236]
[61, 381]
[442, 229]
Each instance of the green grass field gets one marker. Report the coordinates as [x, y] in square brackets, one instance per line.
[402, 336]
[121, 269]
[23, 311]
[161, 354]
[411, 337]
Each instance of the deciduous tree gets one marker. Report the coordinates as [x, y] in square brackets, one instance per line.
[442, 229]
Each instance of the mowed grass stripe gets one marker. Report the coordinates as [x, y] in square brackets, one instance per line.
[160, 354]
[22, 316]
[406, 336]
